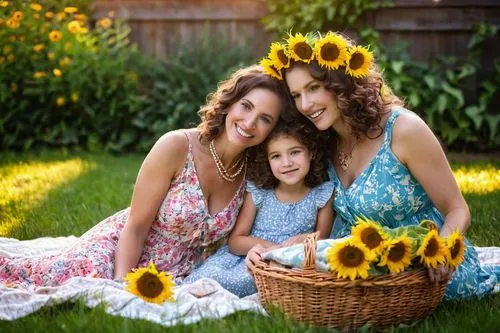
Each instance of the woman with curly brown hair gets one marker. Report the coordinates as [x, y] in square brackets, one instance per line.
[287, 198]
[386, 163]
[187, 195]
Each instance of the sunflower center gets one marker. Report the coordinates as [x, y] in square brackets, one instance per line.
[351, 256]
[149, 285]
[371, 238]
[330, 52]
[455, 249]
[282, 57]
[432, 247]
[397, 252]
[303, 50]
[357, 60]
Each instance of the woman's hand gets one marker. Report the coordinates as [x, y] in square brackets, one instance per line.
[440, 273]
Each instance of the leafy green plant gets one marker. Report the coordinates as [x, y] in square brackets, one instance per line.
[314, 15]
[440, 91]
[63, 81]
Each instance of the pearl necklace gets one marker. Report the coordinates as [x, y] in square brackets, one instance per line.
[224, 173]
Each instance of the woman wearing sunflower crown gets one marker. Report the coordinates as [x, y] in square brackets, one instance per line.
[187, 195]
[386, 163]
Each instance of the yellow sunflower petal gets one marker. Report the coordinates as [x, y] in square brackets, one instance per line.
[432, 251]
[331, 51]
[299, 48]
[370, 234]
[359, 61]
[269, 68]
[398, 254]
[456, 244]
[350, 259]
[278, 55]
[150, 285]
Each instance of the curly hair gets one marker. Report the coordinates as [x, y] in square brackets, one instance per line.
[213, 113]
[259, 170]
[359, 100]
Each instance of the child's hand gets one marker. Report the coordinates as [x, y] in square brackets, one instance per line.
[255, 254]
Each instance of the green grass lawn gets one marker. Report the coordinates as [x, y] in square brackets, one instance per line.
[60, 194]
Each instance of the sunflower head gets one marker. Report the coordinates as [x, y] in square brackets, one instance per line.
[350, 259]
[432, 250]
[359, 61]
[331, 51]
[150, 285]
[269, 68]
[370, 234]
[299, 48]
[456, 245]
[279, 56]
[398, 254]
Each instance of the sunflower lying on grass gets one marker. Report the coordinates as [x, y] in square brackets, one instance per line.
[372, 249]
[150, 285]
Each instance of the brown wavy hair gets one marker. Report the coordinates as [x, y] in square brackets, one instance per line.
[359, 100]
[259, 170]
[213, 113]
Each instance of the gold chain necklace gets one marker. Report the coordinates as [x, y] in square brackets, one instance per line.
[345, 158]
[224, 173]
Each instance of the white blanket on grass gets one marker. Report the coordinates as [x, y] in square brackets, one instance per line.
[187, 309]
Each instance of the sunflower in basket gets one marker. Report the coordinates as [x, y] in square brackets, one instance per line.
[350, 259]
[150, 285]
[456, 245]
[432, 250]
[370, 234]
[398, 254]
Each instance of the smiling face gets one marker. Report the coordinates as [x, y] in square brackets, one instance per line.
[289, 159]
[311, 97]
[250, 119]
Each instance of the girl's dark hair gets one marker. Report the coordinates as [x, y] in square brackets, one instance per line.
[359, 100]
[241, 82]
[259, 170]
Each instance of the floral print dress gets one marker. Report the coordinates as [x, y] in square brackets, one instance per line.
[182, 230]
[386, 192]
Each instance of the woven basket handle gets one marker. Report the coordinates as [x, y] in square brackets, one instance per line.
[310, 252]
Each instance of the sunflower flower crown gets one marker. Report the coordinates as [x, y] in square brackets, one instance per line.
[331, 51]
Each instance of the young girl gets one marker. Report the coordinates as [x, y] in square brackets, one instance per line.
[286, 197]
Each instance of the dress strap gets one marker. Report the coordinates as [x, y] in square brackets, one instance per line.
[190, 146]
[389, 125]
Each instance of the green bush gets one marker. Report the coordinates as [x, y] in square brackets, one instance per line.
[318, 15]
[64, 82]
[445, 92]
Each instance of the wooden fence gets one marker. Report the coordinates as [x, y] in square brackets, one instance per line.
[431, 27]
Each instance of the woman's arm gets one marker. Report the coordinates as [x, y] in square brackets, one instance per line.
[418, 148]
[153, 181]
[239, 241]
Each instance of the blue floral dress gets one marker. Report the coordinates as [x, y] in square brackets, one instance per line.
[275, 221]
[387, 193]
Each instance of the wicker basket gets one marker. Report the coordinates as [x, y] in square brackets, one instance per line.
[324, 300]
